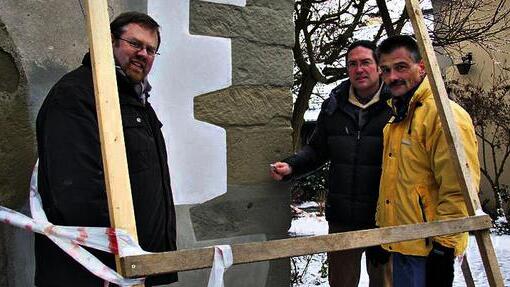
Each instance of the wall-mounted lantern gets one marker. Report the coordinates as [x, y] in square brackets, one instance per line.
[467, 62]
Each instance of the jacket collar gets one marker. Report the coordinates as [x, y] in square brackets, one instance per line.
[401, 107]
[136, 93]
[339, 96]
[353, 99]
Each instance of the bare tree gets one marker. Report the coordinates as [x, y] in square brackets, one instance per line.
[322, 33]
[325, 28]
[477, 22]
[490, 111]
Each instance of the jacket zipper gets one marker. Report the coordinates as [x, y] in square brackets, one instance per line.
[356, 153]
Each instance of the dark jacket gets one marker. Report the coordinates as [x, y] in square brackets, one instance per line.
[71, 179]
[351, 139]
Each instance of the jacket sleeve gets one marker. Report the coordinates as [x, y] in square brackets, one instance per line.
[72, 158]
[451, 202]
[314, 154]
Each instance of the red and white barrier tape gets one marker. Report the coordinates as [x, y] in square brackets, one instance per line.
[111, 240]
[223, 259]
[70, 238]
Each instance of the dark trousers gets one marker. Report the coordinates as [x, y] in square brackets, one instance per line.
[345, 266]
[408, 270]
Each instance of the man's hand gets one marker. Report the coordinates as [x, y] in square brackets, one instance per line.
[280, 170]
[440, 265]
[376, 255]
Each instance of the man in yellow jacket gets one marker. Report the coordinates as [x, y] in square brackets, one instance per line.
[418, 181]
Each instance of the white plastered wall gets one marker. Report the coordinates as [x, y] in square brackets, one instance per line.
[189, 66]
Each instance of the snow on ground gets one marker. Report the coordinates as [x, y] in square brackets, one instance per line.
[311, 272]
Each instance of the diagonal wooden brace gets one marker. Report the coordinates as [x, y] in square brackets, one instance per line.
[452, 137]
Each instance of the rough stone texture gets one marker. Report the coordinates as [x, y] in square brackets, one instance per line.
[16, 142]
[251, 150]
[262, 38]
[3, 257]
[245, 106]
[50, 46]
[285, 5]
[21, 263]
[255, 111]
[9, 74]
[48, 53]
[240, 212]
[254, 23]
[257, 64]
[249, 275]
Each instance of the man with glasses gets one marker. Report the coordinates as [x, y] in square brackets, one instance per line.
[71, 179]
[349, 135]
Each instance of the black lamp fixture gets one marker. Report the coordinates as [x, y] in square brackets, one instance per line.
[467, 62]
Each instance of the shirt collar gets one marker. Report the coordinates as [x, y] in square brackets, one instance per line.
[141, 89]
[354, 100]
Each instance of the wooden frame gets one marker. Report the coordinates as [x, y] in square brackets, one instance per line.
[119, 192]
[182, 260]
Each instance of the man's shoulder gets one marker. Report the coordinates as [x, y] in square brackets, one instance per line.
[428, 115]
[76, 85]
[342, 89]
[335, 96]
[428, 104]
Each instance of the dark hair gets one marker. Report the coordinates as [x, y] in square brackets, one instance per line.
[361, 43]
[392, 43]
[142, 19]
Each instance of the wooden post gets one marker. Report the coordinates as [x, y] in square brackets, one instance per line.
[453, 139]
[118, 187]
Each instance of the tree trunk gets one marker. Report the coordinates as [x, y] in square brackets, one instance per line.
[500, 211]
[300, 106]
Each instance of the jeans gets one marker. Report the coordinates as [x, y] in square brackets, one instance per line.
[408, 270]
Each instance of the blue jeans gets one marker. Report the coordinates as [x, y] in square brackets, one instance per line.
[408, 270]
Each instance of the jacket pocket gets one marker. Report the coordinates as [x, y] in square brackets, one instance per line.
[428, 202]
[136, 139]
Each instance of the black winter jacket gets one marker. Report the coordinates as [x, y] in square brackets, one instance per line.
[71, 179]
[352, 140]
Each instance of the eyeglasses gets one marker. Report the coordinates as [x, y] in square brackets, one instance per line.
[151, 51]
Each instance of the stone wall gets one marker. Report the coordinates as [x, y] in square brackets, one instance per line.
[37, 47]
[255, 111]
[16, 140]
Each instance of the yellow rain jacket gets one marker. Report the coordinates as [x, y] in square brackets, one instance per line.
[418, 181]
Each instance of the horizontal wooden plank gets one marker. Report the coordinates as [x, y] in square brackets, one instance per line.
[182, 260]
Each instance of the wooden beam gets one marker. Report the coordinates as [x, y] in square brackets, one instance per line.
[468, 276]
[452, 137]
[143, 265]
[118, 188]
[443, 106]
